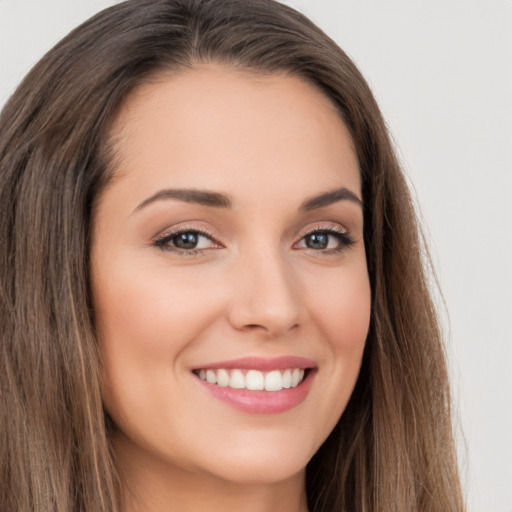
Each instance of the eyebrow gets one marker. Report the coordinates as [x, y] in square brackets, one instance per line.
[218, 200]
[328, 198]
[203, 197]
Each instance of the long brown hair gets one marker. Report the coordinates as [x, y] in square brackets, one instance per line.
[392, 449]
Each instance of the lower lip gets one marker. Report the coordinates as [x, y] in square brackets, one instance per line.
[262, 402]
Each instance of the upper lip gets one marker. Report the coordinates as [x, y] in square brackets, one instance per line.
[260, 363]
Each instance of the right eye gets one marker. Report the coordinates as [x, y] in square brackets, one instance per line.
[186, 241]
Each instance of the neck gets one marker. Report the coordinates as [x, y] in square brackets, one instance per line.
[154, 485]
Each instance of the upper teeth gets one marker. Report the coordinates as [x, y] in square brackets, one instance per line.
[254, 380]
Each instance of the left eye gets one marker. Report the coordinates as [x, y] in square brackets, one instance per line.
[324, 240]
[185, 240]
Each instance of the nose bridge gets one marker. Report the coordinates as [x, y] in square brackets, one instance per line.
[266, 296]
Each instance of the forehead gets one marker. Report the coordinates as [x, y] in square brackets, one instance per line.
[226, 128]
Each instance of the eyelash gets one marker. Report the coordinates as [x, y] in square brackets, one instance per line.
[343, 236]
[163, 242]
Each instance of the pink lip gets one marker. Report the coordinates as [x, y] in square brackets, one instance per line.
[261, 364]
[262, 402]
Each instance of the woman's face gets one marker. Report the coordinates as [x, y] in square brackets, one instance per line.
[229, 278]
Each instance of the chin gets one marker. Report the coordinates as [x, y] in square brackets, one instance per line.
[255, 463]
[261, 472]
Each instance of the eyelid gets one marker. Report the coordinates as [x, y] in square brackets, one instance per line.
[323, 226]
[161, 240]
[344, 236]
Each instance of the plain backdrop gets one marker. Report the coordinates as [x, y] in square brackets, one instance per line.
[442, 72]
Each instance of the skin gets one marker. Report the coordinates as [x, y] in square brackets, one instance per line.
[253, 287]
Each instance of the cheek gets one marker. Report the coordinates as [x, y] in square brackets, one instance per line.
[342, 307]
[342, 314]
[145, 321]
[152, 311]
[148, 323]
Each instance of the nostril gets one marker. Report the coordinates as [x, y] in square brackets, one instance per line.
[270, 329]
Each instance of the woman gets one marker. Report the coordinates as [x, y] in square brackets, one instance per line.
[213, 288]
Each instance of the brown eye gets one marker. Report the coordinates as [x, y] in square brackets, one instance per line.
[187, 240]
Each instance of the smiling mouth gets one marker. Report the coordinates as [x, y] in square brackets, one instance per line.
[253, 380]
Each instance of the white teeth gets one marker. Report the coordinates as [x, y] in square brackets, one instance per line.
[222, 378]
[287, 379]
[273, 381]
[253, 380]
[295, 377]
[237, 380]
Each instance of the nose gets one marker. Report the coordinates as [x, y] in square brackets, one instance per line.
[265, 295]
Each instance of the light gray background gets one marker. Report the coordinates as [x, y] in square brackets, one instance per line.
[442, 72]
